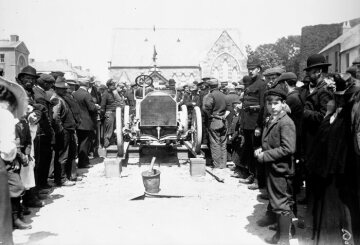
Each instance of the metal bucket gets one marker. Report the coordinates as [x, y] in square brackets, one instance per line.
[151, 181]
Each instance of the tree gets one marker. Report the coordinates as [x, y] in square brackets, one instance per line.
[285, 52]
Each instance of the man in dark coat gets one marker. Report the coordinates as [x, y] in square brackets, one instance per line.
[253, 100]
[318, 96]
[230, 98]
[214, 107]
[276, 153]
[85, 131]
[95, 95]
[65, 126]
[109, 102]
[45, 136]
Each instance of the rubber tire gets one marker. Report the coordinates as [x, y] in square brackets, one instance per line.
[184, 118]
[119, 134]
[196, 124]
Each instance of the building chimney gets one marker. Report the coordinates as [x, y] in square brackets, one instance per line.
[346, 26]
[14, 38]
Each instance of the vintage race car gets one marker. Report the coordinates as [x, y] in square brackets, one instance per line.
[157, 119]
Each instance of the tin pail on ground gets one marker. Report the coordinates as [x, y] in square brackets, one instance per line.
[151, 180]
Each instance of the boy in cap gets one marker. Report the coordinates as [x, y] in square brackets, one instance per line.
[276, 153]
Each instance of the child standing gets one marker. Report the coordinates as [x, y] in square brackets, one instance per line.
[278, 147]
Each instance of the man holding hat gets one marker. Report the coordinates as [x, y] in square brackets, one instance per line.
[45, 137]
[65, 126]
[85, 131]
[214, 107]
[253, 100]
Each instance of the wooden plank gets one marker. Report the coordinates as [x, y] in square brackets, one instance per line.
[188, 145]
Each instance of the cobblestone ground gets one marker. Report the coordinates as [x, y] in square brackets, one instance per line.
[98, 210]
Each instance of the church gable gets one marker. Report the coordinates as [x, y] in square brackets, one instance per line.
[22, 49]
[225, 60]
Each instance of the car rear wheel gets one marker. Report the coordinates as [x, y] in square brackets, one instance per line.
[119, 135]
[196, 130]
[184, 118]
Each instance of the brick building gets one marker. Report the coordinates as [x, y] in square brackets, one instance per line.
[14, 56]
[185, 55]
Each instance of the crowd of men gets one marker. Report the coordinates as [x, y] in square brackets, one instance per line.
[278, 131]
[281, 133]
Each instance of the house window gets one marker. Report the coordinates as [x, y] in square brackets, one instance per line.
[347, 60]
[2, 58]
[336, 61]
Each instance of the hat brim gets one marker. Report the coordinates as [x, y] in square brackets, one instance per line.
[317, 65]
[25, 73]
[20, 95]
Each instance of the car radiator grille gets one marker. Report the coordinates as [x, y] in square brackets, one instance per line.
[159, 110]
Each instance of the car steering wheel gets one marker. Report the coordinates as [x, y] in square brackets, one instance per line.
[144, 81]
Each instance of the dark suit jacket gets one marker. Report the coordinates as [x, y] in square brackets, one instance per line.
[230, 98]
[87, 109]
[278, 145]
[253, 96]
[41, 97]
[296, 105]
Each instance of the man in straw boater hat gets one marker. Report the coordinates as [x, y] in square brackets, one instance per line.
[65, 129]
[317, 97]
[13, 106]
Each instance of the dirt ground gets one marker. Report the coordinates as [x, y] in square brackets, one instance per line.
[99, 210]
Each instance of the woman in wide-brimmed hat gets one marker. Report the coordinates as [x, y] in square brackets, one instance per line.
[12, 105]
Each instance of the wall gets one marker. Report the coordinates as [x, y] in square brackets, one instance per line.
[353, 54]
[10, 64]
[331, 54]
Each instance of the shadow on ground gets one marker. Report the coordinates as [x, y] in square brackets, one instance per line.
[34, 238]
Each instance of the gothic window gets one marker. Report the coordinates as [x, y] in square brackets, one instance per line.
[225, 71]
[192, 78]
[183, 78]
[21, 62]
[234, 75]
[215, 73]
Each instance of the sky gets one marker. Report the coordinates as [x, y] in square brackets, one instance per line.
[81, 30]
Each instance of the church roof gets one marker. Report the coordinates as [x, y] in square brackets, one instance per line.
[134, 47]
[9, 44]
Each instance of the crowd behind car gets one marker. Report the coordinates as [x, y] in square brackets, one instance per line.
[275, 132]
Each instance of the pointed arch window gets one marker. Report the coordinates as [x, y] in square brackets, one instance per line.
[225, 71]
[234, 75]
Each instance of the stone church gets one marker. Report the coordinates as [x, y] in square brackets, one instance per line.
[186, 55]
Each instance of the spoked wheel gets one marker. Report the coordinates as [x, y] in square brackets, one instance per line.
[119, 134]
[196, 130]
[184, 118]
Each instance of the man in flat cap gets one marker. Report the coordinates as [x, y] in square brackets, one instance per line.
[109, 103]
[45, 137]
[253, 100]
[214, 107]
[85, 131]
